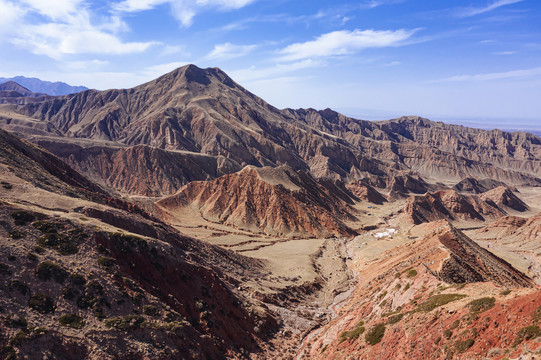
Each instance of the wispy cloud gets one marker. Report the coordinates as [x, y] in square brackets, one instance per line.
[184, 11]
[504, 53]
[254, 73]
[472, 11]
[229, 51]
[513, 74]
[344, 42]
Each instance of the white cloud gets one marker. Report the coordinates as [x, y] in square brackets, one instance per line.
[472, 11]
[11, 15]
[514, 74]
[67, 29]
[54, 9]
[229, 51]
[183, 10]
[344, 42]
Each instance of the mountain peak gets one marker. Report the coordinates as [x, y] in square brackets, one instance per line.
[13, 86]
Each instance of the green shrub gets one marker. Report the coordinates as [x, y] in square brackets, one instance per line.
[481, 304]
[505, 292]
[22, 217]
[47, 270]
[375, 334]
[48, 227]
[438, 300]
[527, 333]
[41, 303]
[412, 273]
[462, 346]
[406, 288]
[353, 334]
[71, 320]
[106, 261]
[395, 318]
[62, 243]
[127, 322]
[447, 334]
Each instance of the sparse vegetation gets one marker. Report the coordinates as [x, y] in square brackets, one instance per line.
[41, 303]
[47, 270]
[48, 227]
[353, 334]
[481, 304]
[71, 320]
[438, 300]
[22, 217]
[412, 273]
[447, 334]
[505, 292]
[62, 243]
[374, 335]
[106, 261]
[462, 346]
[406, 288]
[395, 318]
[527, 333]
[127, 322]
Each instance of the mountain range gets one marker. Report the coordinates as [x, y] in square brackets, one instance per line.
[187, 218]
[46, 87]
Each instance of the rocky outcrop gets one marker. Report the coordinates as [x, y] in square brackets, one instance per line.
[468, 262]
[472, 185]
[366, 192]
[448, 204]
[504, 198]
[274, 201]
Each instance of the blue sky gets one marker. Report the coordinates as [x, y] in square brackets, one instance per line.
[476, 61]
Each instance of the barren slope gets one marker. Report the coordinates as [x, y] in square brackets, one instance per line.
[275, 201]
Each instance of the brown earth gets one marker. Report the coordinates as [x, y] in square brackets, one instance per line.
[274, 201]
[448, 204]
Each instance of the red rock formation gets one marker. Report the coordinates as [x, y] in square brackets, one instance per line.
[275, 201]
[366, 192]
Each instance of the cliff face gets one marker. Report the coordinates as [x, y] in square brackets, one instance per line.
[504, 198]
[275, 201]
[448, 204]
[205, 111]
